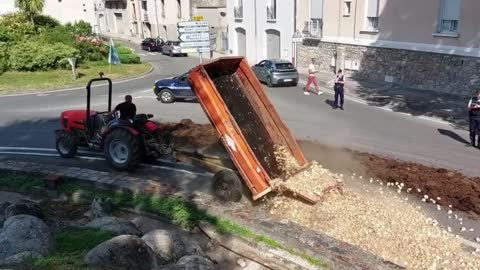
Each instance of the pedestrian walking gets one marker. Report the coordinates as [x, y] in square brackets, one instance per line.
[474, 116]
[312, 71]
[339, 89]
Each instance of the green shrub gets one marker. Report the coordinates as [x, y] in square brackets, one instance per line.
[91, 51]
[3, 58]
[44, 21]
[124, 50]
[32, 56]
[58, 34]
[16, 26]
[129, 58]
[81, 28]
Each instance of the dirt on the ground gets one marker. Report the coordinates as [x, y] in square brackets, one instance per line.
[187, 134]
[455, 189]
[451, 187]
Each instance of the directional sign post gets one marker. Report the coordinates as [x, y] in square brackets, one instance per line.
[194, 36]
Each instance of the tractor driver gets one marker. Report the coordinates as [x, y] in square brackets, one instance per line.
[127, 109]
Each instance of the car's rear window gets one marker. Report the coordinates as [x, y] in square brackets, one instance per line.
[284, 66]
[176, 43]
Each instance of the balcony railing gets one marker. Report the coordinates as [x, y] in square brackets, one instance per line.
[313, 29]
[145, 17]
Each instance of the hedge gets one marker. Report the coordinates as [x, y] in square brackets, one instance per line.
[32, 56]
[129, 58]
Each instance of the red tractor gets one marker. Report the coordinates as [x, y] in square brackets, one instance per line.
[124, 143]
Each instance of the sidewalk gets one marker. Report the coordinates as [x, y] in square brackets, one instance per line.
[444, 106]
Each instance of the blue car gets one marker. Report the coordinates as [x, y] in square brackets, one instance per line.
[168, 90]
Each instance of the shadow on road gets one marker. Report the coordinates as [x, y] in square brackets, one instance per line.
[331, 103]
[454, 136]
[33, 133]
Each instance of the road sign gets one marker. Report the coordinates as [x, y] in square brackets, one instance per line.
[193, 29]
[194, 44]
[194, 36]
[198, 18]
[192, 24]
[195, 50]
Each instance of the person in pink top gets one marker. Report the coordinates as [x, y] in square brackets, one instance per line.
[312, 79]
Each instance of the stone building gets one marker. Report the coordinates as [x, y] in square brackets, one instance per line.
[431, 44]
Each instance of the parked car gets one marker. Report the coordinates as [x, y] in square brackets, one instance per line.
[276, 72]
[152, 44]
[168, 90]
[172, 48]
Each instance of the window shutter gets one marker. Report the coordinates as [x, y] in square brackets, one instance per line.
[372, 8]
[316, 9]
[451, 9]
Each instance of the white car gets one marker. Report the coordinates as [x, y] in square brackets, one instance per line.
[172, 48]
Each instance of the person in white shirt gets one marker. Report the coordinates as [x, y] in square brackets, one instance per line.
[339, 89]
[312, 79]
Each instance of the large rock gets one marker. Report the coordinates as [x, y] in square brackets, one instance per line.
[23, 233]
[117, 226]
[24, 207]
[169, 246]
[3, 206]
[20, 258]
[194, 262]
[122, 252]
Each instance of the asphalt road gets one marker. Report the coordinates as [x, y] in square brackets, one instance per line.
[29, 120]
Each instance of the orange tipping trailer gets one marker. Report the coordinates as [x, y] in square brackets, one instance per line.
[245, 120]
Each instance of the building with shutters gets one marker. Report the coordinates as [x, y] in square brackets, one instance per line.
[142, 18]
[431, 44]
[261, 29]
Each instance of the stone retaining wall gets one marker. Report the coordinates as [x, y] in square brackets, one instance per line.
[413, 69]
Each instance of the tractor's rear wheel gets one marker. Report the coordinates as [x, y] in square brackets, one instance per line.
[66, 146]
[227, 186]
[123, 150]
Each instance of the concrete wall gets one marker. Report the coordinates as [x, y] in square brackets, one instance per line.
[255, 24]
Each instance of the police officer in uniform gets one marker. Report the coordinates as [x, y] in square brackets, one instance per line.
[474, 115]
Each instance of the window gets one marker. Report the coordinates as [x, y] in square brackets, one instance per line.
[144, 5]
[179, 9]
[449, 16]
[238, 9]
[372, 16]
[316, 27]
[348, 8]
[271, 9]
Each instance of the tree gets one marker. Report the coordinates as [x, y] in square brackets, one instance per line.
[31, 7]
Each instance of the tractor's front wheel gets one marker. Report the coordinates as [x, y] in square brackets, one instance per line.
[123, 150]
[66, 146]
[227, 186]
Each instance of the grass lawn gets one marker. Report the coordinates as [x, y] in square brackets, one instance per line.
[13, 82]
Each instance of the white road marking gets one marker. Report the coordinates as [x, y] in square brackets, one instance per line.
[151, 53]
[142, 54]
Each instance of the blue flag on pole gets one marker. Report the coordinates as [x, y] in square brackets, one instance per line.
[113, 58]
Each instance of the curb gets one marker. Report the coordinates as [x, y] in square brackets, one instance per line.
[123, 80]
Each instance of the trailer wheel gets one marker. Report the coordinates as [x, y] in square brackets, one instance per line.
[227, 186]
[66, 145]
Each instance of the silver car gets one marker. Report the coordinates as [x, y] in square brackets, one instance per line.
[276, 72]
[172, 48]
